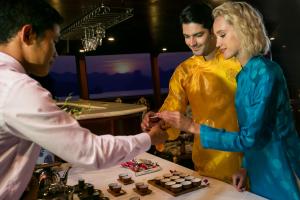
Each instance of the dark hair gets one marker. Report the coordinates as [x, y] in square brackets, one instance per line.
[197, 13]
[16, 13]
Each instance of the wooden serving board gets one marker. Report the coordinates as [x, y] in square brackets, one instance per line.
[115, 194]
[141, 193]
[126, 183]
[183, 191]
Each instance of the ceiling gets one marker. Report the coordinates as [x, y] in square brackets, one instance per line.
[155, 25]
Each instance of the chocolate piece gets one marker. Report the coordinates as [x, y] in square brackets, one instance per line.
[143, 188]
[158, 179]
[186, 184]
[173, 178]
[126, 179]
[169, 184]
[116, 188]
[111, 185]
[122, 175]
[189, 178]
[154, 119]
[196, 182]
[179, 180]
[163, 181]
[138, 185]
[176, 188]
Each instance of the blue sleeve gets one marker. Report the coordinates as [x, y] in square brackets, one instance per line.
[254, 118]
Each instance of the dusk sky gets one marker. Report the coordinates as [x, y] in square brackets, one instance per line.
[123, 63]
[168, 61]
[64, 64]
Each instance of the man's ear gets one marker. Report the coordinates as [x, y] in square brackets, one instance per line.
[212, 35]
[27, 34]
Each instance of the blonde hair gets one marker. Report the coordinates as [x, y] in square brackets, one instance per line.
[248, 23]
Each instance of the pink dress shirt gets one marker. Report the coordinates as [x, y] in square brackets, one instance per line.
[29, 119]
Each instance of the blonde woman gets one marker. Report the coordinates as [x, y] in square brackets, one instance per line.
[267, 133]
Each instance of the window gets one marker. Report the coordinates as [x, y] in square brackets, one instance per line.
[167, 63]
[119, 75]
[62, 80]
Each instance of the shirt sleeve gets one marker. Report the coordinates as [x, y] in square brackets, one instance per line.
[256, 121]
[177, 99]
[31, 114]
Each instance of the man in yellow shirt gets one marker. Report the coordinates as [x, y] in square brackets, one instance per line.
[206, 82]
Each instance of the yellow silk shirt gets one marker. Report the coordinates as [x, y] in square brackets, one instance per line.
[209, 88]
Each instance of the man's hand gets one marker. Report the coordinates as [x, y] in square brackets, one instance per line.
[32, 190]
[239, 179]
[179, 121]
[157, 135]
[146, 123]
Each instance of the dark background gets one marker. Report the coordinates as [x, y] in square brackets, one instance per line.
[155, 25]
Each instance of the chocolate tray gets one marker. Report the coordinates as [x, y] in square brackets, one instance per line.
[183, 191]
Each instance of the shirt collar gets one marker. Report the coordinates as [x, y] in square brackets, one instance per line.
[251, 60]
[248, 65]
[11, 63]
[217, 55]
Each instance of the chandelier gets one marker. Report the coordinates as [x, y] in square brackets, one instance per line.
[93, 36]
[91, 27]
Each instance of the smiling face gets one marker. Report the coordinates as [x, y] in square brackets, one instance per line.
[197, 38]
[227, 40]
[41, 52]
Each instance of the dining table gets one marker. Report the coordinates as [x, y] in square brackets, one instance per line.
[216, 190]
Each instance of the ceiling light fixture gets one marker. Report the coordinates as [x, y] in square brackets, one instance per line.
[90, 28]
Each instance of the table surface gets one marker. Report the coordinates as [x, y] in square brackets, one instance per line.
[102, 109]
[217, 190]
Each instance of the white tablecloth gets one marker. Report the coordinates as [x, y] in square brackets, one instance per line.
[101, 178]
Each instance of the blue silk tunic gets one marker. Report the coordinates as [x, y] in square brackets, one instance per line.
[267, 133]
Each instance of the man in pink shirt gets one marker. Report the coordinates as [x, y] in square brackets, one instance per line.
[29, 118]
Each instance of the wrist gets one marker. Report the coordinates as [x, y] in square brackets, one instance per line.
[194, 128]
[243, 171]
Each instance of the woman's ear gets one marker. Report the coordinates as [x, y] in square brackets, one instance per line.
[27, 34]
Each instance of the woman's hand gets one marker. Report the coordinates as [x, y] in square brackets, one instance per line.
[179, 121]
[146, 123]
[239, 180]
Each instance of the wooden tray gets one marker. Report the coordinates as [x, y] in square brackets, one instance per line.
[183, 191]
[142, 194]
[130, 182]
[46, 165]
[116, 194]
